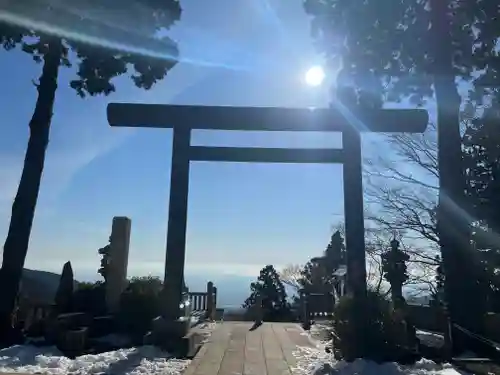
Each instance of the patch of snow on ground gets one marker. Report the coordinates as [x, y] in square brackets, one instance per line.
[315, 361]
[319, 332]
[207, 326]
[143, 360]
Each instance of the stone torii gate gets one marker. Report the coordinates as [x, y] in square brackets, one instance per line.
[184, 118]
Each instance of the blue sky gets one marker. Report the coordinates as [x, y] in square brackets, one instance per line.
[241, 216]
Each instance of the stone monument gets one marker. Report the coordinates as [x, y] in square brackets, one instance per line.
[118, 262]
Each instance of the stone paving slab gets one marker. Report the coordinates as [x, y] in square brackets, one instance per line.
[234, 349]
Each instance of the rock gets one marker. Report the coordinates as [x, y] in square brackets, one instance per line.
[57, 326]
[64, 294]
[148, 339]
[102, 326]
[72, 321]
[325, 369]
[73, 343]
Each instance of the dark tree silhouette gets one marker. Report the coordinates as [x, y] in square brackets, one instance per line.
[482, 167]
[482, 162]
[90, 298]
[412, 50]
[275, 306]
[64, 294]
[335, 253]
[317, 274]
[139, 304]
[103, 39]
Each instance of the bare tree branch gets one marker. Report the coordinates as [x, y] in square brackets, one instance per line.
[401, 189]
[290, 275]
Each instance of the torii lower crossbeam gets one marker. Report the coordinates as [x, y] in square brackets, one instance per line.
[184, 118]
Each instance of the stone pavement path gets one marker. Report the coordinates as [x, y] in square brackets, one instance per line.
[233, 349]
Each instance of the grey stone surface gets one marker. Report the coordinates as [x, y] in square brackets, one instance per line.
[118, 255]
[234, 349]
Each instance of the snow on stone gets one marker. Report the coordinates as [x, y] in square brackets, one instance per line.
[315, 361]
[431, 339]
[143, 360]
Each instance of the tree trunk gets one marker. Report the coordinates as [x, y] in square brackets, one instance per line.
[23, 208]
[452, 222]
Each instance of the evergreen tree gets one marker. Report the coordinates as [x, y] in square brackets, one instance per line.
[312, 279]
[275, 306]
[335, 253]
[397, 50]
[481, 144]
[317, 274]
[103, 39]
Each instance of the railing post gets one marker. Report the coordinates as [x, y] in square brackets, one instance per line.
[191, 300]
[258, 310]
[214, 300]
[306, 319]
[447, 332]
[210, 301]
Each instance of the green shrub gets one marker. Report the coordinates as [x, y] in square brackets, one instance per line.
[139, 304]
[90, 298]
[379, 337]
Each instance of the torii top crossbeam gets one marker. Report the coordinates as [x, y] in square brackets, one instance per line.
[264, 118]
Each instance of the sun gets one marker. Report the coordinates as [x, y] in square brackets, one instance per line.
[315, 76]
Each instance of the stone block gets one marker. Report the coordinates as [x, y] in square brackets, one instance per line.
[148, 339]
[72, 321]
[51, 330]
[72, 343]
[56, 326]
[102, 326]
[492, 325]
[172, 336]
[190, 344]
[164, 327]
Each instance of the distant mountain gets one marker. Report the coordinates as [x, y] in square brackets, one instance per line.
[39, 286]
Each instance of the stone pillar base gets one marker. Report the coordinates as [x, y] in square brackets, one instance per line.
[171, 335]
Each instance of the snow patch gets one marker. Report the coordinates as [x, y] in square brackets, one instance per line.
[143, 360]
[316, 361]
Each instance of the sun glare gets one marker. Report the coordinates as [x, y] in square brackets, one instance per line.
[315, 76]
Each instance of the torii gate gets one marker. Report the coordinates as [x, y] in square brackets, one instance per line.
[184, 118]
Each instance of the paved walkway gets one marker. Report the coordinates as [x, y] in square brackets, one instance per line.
[233, 349]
